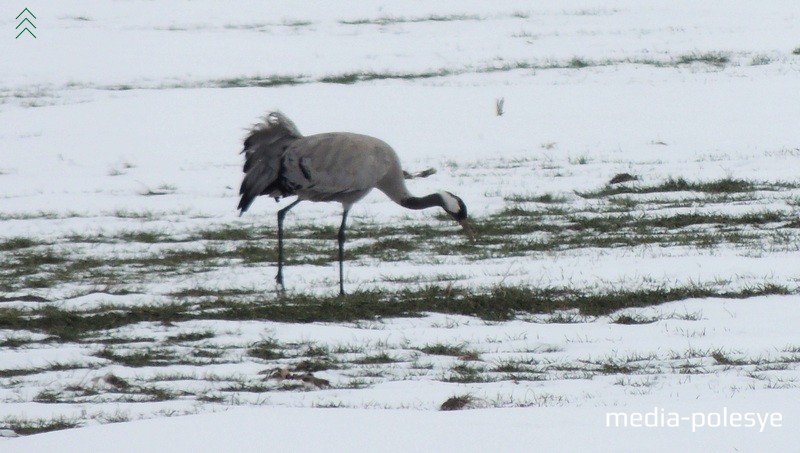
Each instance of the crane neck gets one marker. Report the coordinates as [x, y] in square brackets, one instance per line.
[425, 202]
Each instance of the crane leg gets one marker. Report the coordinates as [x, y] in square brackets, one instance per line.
[281, 215]
[341, 252]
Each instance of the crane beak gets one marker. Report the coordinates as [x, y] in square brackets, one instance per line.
[467, 229]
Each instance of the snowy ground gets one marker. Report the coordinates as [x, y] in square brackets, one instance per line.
[125, 268]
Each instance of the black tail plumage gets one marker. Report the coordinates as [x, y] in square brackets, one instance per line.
[264, 148]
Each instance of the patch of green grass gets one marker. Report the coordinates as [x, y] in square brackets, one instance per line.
[46, 396]
[512, 220]
[510, 366]
[61, 324]
[296, 23]
[444, 349]
[248, 387]
[315, 350]
[15, 342]
[138, 215]
[388, 249]
[211, 398]
[57, 366]
[255, 253]
[613, 367]
[366, 76]
[495, 303]
[267, 349]
[198, 292]
[258, 81]
[345, 79]
[632, 319]
[624, 203]
[138, 358]
[517, 211]
[225, 233]
[406, 279]
[466, 373]
[724, 359]
[377, 359]
[314, 365]
[148, 237]
[550, 226]
[645, 225]
[604, 304]
[578, 63]
[37, 258]
[547, 198]
[206, 353]
[17, 243]
[26, 427]
[562, 317]
[726, 185]
[233, 233]
[99, 238]
[108, 341]
[457, 403]
[176, 258]
[93, 271]
[262, 25]
[191, 336]
[388, 20]
[44, 215]
[711, 58]
[504, 67]
[153, 393]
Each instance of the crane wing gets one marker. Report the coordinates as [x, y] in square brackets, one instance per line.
[327, 167]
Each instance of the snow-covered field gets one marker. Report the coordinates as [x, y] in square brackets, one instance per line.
[127, 274]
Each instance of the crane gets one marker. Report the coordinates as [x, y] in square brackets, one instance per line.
[341, 167]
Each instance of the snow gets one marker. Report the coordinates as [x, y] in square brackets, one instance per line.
[117, 99]
[510, 430]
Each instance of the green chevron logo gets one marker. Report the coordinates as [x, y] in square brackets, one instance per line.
[26, 23]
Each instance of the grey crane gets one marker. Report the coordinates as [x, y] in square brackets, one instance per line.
[337, 166]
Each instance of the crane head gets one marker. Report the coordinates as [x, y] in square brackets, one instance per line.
[455, 206]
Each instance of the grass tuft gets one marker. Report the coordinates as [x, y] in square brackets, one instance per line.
[258, 81]
[29, 427]
[457, 403]
[444, 349]
[720, 186]
[466, 373]
[17, 243]
[190, 336]
[268, 349]
[711, 58]
[578, 63]
[632, 320]
[389, 20]
[141, 358]
[724, 359]
[378, 359]
[366, 76]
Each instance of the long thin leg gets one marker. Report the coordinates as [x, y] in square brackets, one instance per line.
[281, 215]
[341, 252]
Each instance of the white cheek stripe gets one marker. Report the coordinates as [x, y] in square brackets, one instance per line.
[450, 203]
